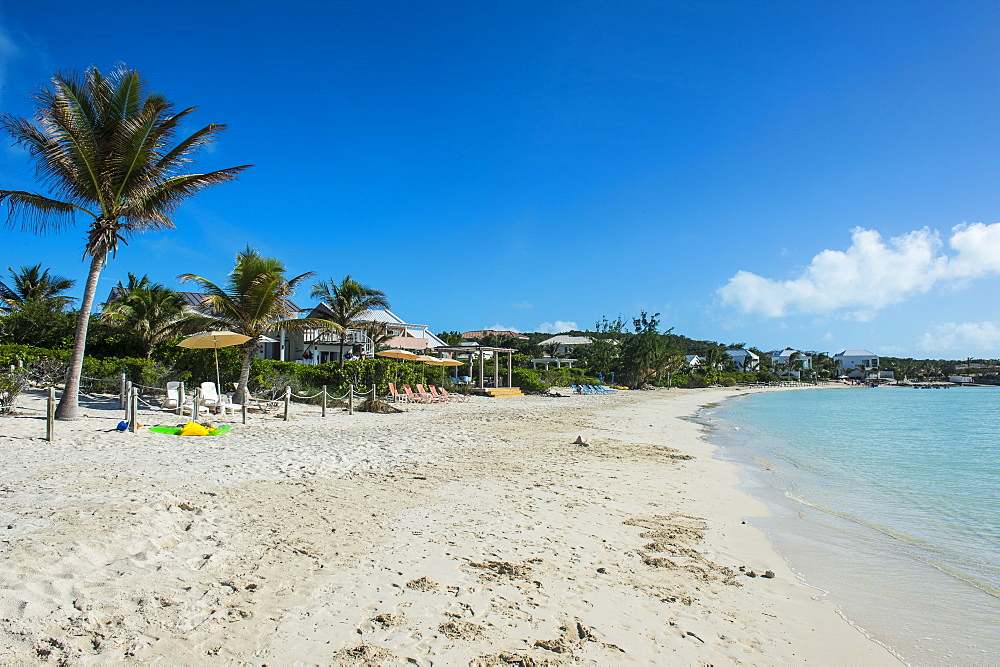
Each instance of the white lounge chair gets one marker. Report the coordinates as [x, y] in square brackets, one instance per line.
[173, 395]
[211, 399]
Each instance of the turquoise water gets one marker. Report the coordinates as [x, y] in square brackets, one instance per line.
[888, 501]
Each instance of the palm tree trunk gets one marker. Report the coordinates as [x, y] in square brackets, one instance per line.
[249, 348]
[69, 402]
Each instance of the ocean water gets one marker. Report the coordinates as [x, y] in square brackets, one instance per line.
[887, 501]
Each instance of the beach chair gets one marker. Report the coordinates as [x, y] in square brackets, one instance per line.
[431, 397]
[437, 393]
[461, 398]
[211, 399]
[608, 390]
[173, 396]
[395, 395]
[413, 398]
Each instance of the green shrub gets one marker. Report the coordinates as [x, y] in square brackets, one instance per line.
[529, 380]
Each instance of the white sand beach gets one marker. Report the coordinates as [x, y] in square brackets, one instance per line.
[454, 534]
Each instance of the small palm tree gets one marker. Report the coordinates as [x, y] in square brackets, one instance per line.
[152, 312]
[31, 284]
[104, 146]
[348, 300]
[253, 302]
[377, 332]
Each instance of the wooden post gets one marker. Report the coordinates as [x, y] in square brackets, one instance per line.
[134, 409]
[324, 400]
[244, 410]
[350, 399]
[482, 383]
[126, 401]
[121, 390]
[196, 405]
[181, 397]
[288, 401]
[510, 369]
[50, 415]
[496, 369]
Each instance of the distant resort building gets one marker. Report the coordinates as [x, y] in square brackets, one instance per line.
[693, 360]
[790, 363]
[857, 363]
[480, 334]
[318, 345]
[744, 360]
[565, 344]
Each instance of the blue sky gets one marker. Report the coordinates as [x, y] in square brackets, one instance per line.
[821, 175]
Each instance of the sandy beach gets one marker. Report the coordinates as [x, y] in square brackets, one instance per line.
[457, 534]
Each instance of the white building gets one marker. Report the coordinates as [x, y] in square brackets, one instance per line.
[790, 363]
[744, 360]
[317, 346]
[857, 363]
[693, 360]
[565, 344]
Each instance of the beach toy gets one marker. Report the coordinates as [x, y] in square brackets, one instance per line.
[122, 426]
[192, 428]
[176, 430]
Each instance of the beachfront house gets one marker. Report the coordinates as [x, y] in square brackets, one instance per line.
[744, 360]
[317, 345]
[857, 363]
[790, 363]
[693, 360]
[564, 343]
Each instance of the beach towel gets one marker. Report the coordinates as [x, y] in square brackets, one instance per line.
[178, 430]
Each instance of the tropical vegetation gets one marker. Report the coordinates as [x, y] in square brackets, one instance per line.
[105, 148]
[151, 312]
[253, 302]
[348, 301]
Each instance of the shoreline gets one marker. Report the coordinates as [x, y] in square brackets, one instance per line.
[448, 534]
[921, 612]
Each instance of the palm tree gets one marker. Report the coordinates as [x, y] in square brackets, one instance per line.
[31, 284]
[104, 146]
[253, 302]
[154, 313]
[347, 300]
[377, 332]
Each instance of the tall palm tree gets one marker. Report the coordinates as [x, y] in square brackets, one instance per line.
[253, 302]
[30, 284]
[348, 300]
[152, 312]
[105, 148]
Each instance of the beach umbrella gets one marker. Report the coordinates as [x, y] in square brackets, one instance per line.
[214, 340]
[448, 362]
[427, 359]
[396, 354]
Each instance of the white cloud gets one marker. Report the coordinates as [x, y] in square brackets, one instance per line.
[524, 305]
[556, 327]
[971, 338]
[871, 274]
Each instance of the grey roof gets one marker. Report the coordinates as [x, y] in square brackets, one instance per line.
[855, 353]
[194, 299]
[566, 339]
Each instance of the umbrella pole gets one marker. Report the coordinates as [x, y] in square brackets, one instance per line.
[218, 382]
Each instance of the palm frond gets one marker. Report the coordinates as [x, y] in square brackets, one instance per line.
[38, 213]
